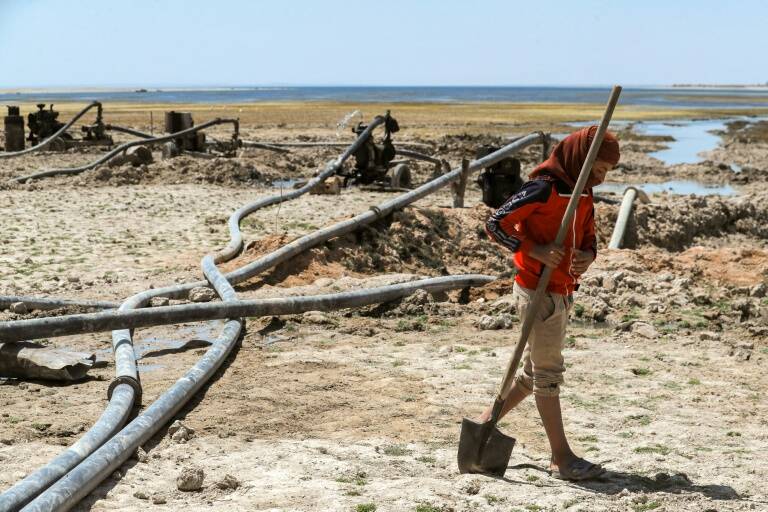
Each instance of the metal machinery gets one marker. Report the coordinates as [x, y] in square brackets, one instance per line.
[196, 141]
[44, 123]
[374, 160]
[14, 130]
[500, 180]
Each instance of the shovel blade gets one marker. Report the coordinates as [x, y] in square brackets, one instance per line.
[483, 448]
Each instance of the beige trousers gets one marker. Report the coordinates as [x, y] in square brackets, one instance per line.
[543, 366]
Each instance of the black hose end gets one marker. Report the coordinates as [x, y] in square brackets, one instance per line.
[125, 379]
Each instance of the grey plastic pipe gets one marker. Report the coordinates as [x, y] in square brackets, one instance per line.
[329, 144]
[84, 478]
[625, 210]
[46, 303]
[53, 137]
[120, 149]
[146, 317]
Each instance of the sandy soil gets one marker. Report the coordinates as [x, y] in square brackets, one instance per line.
[360, 409]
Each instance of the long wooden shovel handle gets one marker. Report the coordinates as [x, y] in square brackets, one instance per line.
[533, 307]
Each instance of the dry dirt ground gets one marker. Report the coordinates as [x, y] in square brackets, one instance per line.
[359, 410]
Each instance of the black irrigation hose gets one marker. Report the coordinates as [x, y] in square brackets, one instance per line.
[18, 330]
[415, 155]
[46, 303]
[53, 137]
[126, 382]
[120, 149]
[84, 478]
[327, 144]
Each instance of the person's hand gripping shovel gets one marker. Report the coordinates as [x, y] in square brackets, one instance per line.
[483, 448]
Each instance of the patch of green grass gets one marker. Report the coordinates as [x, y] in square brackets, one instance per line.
[12, 420]
[643, 419]
[694, 382]
[733, 433]
[426, 459]
[426, 507]
[416, 324]
[463, 366]
[533, 508]
[493, 499]
[626, 435]
[397, 363]
[396, 450]
[570, 341]
[571, 502]
[587, 439]
[641, 372]
[353, 492]
[366, 507]
[41, 427]
[655, 448]
[532, 478]
[578, 310]
[459, 349]
[643, 507]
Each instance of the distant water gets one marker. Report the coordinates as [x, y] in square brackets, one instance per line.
[691, 139]
[657, 97]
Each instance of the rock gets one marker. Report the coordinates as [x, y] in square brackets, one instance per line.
[201, 294]
[645, 330]
[157, 302]
[759, 290]
[324, 282]
[741, 354]
[611, 282]
[473, 488]
[228, 483]
[190, 479]
[317, 317]
[159, 499]
[701, 298]
[502, 321]
[505, 304]
[182, 434]
[594, 309]
[709, 336]
[141, 455]
[140, 495]
[19, 308]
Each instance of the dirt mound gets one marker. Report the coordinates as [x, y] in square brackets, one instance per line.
[677, 222]
[220, 171]
[428, 241]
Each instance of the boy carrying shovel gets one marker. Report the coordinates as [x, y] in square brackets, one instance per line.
[527, 224]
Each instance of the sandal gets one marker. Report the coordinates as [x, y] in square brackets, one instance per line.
[578, 469]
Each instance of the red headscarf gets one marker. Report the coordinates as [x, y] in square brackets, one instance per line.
[568, 157]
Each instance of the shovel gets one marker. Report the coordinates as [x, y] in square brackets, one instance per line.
[483, 448]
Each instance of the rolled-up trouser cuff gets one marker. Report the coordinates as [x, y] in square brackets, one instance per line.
[525, 382]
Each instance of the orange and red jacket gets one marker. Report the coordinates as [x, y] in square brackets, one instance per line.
[532, 216]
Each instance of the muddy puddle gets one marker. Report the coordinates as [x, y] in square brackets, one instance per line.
[675, 187]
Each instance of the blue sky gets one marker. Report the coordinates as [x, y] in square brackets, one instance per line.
[114, 43]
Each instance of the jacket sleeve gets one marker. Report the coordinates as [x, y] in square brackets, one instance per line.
[505, 224]
[589, 241]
